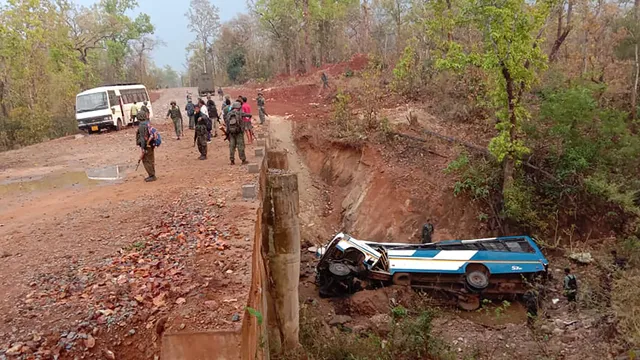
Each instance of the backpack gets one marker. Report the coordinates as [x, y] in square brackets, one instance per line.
[573, 282]
[235, 127]
[153, 133]
[190, 109]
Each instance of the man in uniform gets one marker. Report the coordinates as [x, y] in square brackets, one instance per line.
[220, 92]
[134, 113]
[200, 135]
[145, 141]
[235, 132]
[176, 117]
[261, 111]
[190, 109]
[213, 113]
[570, 286]
[144, 112]
[325, 80]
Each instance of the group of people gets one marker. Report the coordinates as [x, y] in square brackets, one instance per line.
[202, 115]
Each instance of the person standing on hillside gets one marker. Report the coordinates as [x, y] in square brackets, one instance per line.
[146, 141]
[134, 113]
[235, 132]
[200, 135]
[246, 120]
[176, 117]
[570, 286]
[190, 109]
[261, 111]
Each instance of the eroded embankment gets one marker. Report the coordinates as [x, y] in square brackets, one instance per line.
[378, 200]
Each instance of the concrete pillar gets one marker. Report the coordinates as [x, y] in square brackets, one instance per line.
[277, 159]
[283, 251]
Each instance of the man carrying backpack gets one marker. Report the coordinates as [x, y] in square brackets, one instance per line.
[235, 132]
[200, 136]
[190, 109]
[144, 113]
[570, 286]
[146, 140]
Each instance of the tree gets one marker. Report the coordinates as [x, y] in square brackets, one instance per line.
[204, 21]
[511, 54]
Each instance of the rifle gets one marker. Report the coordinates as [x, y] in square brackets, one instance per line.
[138, 164]
[224, 132]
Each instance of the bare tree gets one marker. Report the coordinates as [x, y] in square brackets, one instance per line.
[204, 21]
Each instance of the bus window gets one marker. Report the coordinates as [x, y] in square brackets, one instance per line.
[113, 100]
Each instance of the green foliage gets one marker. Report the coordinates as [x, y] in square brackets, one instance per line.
[478, 180]
[410, 337]
[399, 312]
[235, 65]
[255, 313]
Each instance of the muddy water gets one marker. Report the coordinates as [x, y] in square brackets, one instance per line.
[90, 177]
[497, 314]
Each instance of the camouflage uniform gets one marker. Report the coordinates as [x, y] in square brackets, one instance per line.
[176, 117]
[236, 140]
[148, 159]
[143, 113]
[261, 111]
[200, 135]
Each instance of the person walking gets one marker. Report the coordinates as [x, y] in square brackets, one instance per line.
[246, 121]
[200, 135]
[204, 110]
[220, 93]
[144, 114]
[261, 111]
[134, 113]
[235, 132]
[145, 139]
[190, 109]
[570, 286]
[176, 117]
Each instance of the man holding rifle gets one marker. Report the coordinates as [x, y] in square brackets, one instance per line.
[200, 136]
[145, 139]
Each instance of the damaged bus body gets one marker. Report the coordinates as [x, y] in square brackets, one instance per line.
[468, 269]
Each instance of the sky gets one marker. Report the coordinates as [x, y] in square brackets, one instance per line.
[171, 26]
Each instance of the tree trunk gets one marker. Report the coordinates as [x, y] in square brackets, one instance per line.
[561, 34]
[508, 165]
[636, 66]
[306, 52]
[204, 55]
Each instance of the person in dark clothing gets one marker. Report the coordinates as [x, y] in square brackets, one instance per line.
[570, 286]
[213, 113]
[531, 301]
[205, 110]
[145, 141]
[200, 135]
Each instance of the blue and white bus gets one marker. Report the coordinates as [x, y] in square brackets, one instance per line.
[492, 266]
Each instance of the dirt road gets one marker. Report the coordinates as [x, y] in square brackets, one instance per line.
[113, 260]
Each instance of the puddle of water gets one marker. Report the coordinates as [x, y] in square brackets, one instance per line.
[90, 177]
[496, 314]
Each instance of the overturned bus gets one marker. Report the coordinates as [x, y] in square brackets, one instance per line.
[468, 269]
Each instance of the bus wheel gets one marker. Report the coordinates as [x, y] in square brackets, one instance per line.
[469, 302]
[477, 280]
[402, 279]
[339, 270]
[119, 126]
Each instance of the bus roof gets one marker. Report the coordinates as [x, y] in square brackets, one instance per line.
[107, 88]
